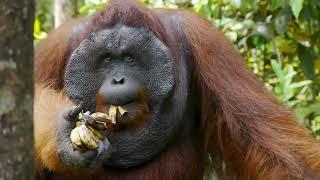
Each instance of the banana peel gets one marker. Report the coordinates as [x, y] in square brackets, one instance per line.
[87, 133]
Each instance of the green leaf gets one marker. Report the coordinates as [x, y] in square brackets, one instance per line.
[307, 57]
[300, 84]
[277, 3]
[316, 2]
[232, 35]
[306, 111]
[36, 26]
[296, 6]
[236, 3]
[277, 69]
[205, 11]
[289, 74]
[306, 13]
[282, 20]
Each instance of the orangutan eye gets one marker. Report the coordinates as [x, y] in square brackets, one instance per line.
[107, 58]
[129, 59]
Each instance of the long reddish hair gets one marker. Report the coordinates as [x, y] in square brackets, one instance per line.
[246, 132]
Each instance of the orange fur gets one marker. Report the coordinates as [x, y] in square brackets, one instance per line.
[244, 134]
[51, 55]
[48, 105]
[252, 134]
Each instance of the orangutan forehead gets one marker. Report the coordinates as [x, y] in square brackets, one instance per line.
[120, 34]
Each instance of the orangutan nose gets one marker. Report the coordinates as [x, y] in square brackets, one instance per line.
[119, 90]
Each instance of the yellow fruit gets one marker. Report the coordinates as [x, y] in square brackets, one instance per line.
[100, 115]
[121, 110]
[86, 138]
[113, 113]
[75, 138]
[94, 133]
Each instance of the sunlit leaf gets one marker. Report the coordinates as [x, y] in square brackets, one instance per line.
[36, 27]
[296, 6]
[232, 35]
[236, 3]
[300, 84]
[277, 69]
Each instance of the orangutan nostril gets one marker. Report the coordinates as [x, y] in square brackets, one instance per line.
[118, 81]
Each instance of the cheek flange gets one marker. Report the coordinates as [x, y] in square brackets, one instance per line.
[81, 78]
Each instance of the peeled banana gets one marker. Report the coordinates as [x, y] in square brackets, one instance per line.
[75, 137]
[86, 134]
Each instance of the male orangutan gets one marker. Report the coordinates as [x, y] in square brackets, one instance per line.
[191, 105]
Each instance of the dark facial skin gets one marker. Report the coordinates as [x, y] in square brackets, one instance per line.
[123, 64]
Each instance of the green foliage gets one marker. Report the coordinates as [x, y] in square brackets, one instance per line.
[37, 32]
[296, 6]
[285, 89]
[44, 9]
[44, 19]
[280, 41]
[90, 7]
[278, 38]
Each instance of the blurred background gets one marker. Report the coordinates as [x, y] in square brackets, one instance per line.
[279, 39]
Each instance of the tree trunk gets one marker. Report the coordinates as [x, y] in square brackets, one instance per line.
[64, 10]
[16, 89]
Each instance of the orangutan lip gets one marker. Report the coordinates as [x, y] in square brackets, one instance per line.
[121, 104]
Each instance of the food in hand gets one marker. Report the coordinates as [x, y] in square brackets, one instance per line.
[87, 133]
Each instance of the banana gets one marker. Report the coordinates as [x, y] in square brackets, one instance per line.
[99, 115]
[95, 138]
[86, 138]
[94, 133]
[101, 119]
[121, 110]
[75, 138]
[113, 113]
[86, 134]
[78, 123]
